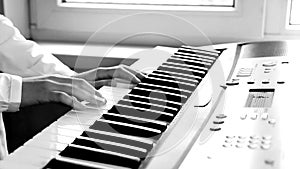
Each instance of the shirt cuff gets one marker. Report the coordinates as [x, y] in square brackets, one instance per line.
[15, 93]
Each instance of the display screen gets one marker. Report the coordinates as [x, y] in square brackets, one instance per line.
[260, 98]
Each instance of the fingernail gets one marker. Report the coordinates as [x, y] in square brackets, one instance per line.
[79, 106]
[98, 94]
[102, 100]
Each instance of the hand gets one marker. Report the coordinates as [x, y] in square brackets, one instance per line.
[104, 76]
[57, 88]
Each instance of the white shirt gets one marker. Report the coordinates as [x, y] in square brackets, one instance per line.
[20, 58]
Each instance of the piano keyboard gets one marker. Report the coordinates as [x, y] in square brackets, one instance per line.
[125, 135]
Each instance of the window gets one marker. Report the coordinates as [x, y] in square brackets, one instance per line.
[224, 3]
[282, 20]
[152, 22]
[294, 18]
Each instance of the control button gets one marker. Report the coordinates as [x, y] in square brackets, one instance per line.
[228, 141]
[250, 82]
[241, 141]
[230, 137]
[284, 62]
[267, 71]
[255, 137]
[218, 122]
[221, 116]
[269, 64]
[232, 83]
[269, 162]
[243, 116]
[227, 145]
[266, 142]
[280, 82]
[265, 82]
[252, 146]
[215, 129]
[239, 145]
[243, 75]
[254, 116]
[265, 146]
[264, 116]
[254, 141]
[242, 137]
[272, 121]
[267, 137]
[244, 72]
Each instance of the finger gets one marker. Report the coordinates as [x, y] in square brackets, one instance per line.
[100, 83]
[138, 74]
[123, 73]
[79, 92]
[86, 86]
[120, 83]
[117, 72]
[115, 83]
[58, 96]
[75, 81]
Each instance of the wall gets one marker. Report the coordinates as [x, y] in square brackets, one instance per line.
[18, 12]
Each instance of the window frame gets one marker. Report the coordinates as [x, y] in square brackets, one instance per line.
[279, 26]
[245, 22]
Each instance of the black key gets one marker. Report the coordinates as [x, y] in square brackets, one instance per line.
[116, 139]
[202, 66]
[172, 78]
[175, 90]
[188, 72]
[110, 147]
[159, 95]
[100, 157]
[165, 82]
[186, 64]
[131, 100]
[195, 78]
[153, 101]
[158, 86]
[140, 113]
[146, 106]
[195, 58]
[57, 164]
[178, 75]
[202, 58]
[110, 126]
[185, 72]
[198, 53]
[153, 125]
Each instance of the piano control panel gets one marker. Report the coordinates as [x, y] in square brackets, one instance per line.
[253, 127]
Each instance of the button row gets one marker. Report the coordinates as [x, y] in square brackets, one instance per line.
[219, 120]
[244, 72]
[254, 116]
[252, 142]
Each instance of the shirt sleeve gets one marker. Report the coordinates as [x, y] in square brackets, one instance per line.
[10, 92]
[25, 58]
[10, 99]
